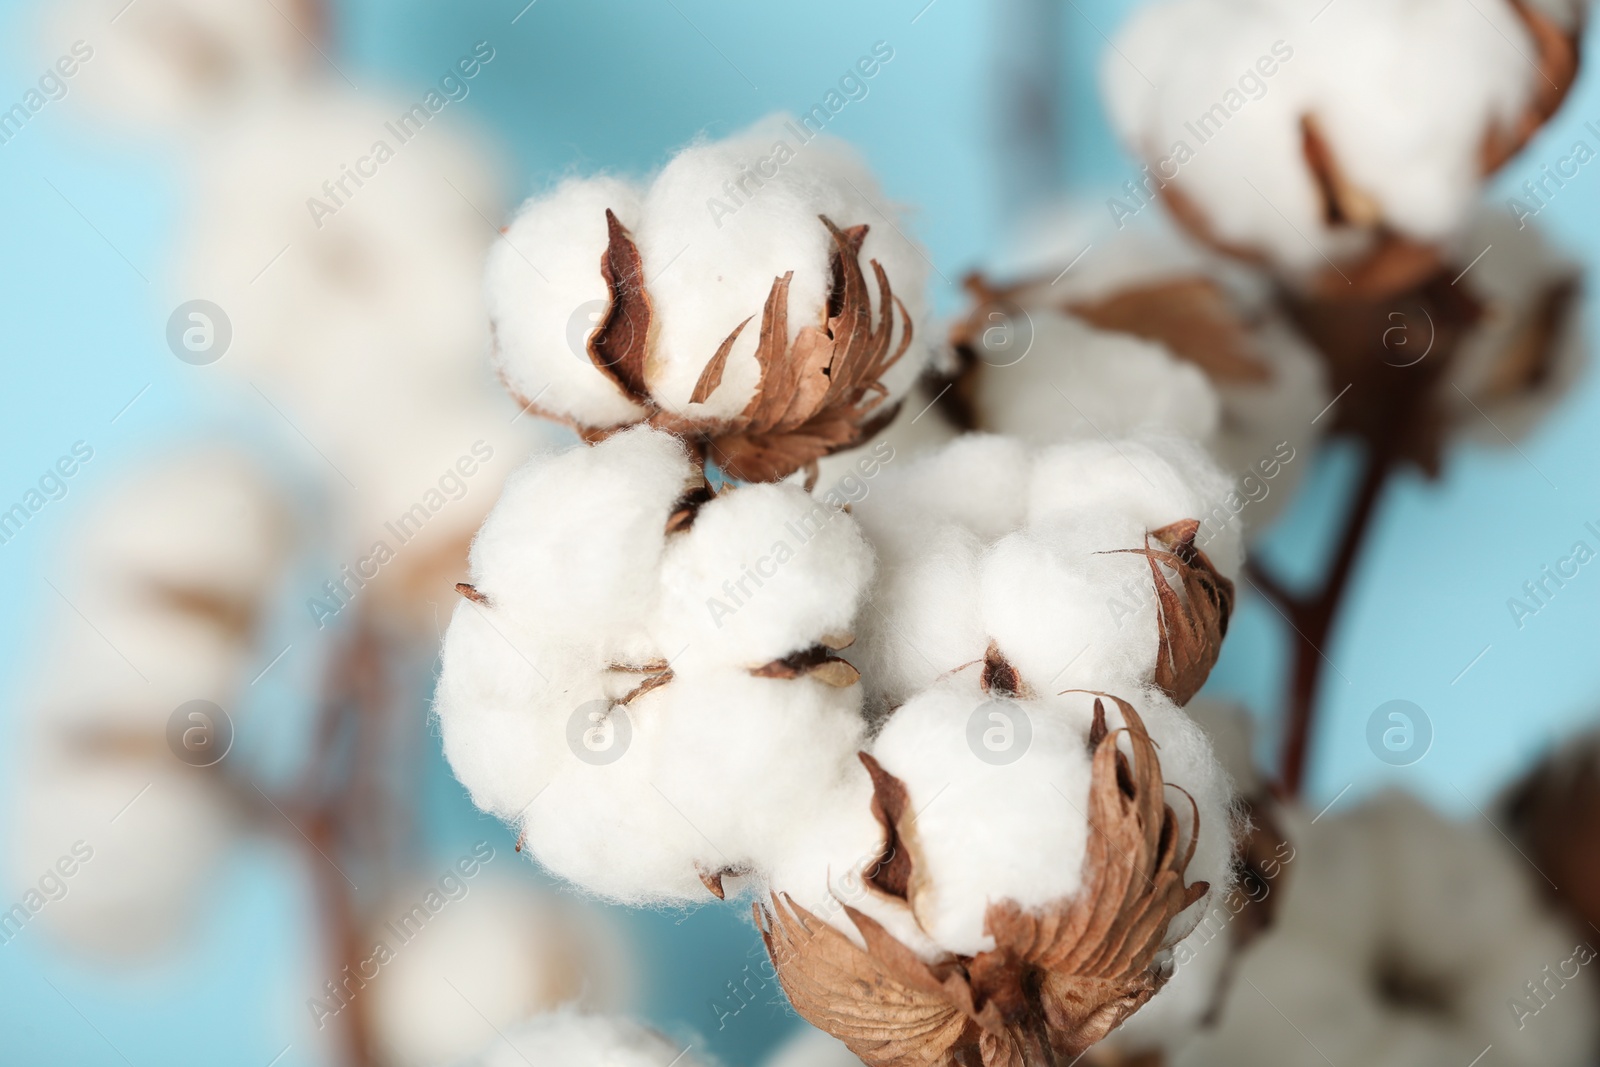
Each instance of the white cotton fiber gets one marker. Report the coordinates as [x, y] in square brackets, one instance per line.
[503, 951]
[1196, 73]
[711, 269]
[765, 571]
[977, 480]
[573, 546]
[502, 702]
[989, 831]
[1077, 381]
[572, 1039]
[546, 295]
[717, 772]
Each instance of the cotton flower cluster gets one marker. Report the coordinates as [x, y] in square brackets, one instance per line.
[166, 587]
[642, 676]
[1406, 938]
[1362, 139]
[1148, 335]
[571, 1038]
[771, 336]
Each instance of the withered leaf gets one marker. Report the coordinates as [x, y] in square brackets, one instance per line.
[1557, 63]
[1191, 624]
[1343, 203]
[821, 393]
[891, 806]
[472, 594]
[712, 880]
[621, 344]
[1059, 978]
[817, 662]
[1526, 363]
[1191, 317]
[999, 676]
[688, 508]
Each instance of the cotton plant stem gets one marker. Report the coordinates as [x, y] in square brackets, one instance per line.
[1392, 411]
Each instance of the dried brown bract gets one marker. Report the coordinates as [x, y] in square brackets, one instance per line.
[820, 394]
[1058, 979]
[1193, 617]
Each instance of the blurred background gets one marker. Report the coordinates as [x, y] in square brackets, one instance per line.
[355, 381]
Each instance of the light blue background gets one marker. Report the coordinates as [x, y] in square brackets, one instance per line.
[578, 86]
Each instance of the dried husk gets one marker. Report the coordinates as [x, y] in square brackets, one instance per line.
[1193, 618]
[819, 395]
[1058, 979]
[1390, 263]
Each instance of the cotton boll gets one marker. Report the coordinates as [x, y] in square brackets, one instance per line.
[1146, 485]
[176, 63]
[501, 952]
[204, 520]
[569, 1038]
[545, 294]
[813, 1048]
[1076, 381]
[716, 771]
[1347, 76]
[719, 229]
[150, 832]
[356, 320]
[977, 481]
[970, 811]
[1292, 1006]
[1524, 355]
[503, 704]
[920, 429]
[573, 546]
[1067, 617]
[925, 616]
[765, 571]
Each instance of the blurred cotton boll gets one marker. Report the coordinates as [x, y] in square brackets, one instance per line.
[1407, 938]
[1528, 349]
[503, 951]
[571, 1038]
[356, 317]
[182, 64]
[167, 582]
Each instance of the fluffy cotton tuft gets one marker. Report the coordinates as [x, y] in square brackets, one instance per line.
[719, 224]
[1222, 88]
[602, 689]
[1035, 551]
